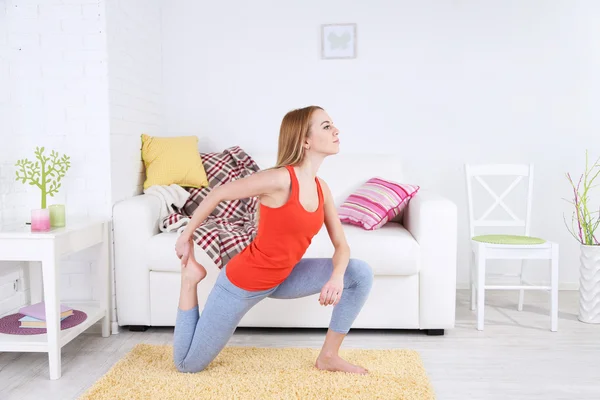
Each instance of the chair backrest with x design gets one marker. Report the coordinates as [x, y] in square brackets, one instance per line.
[518, 172]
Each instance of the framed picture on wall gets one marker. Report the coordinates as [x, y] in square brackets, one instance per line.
[338, 41]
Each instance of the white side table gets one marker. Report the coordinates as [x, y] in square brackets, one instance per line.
[18, 243]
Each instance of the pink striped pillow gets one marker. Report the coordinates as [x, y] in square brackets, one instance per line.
[375, 203]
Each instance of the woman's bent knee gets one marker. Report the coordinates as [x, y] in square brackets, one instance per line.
[190, 369]
[360, 271]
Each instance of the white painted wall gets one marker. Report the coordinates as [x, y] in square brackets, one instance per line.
[54, 93]
[135, 87]
[439, 83]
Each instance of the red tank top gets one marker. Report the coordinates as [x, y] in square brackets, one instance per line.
[284, 233]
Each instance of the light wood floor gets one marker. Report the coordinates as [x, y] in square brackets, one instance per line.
[515, 357]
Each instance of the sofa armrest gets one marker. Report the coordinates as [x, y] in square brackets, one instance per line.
[432, 221]
[135, 220]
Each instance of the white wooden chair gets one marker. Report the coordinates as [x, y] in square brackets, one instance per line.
[516, 247]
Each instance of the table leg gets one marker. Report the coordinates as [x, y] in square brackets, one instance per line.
[52, 304]
[35, 282]
[103, 273]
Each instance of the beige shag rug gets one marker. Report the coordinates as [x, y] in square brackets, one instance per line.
[148, 372]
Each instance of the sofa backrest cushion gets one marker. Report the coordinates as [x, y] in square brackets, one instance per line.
[345, 172]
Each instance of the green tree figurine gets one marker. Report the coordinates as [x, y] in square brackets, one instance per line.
[45, 173]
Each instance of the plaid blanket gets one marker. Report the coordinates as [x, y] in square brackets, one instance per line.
[232, 225]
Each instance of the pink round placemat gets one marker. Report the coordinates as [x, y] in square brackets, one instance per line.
[10, 324]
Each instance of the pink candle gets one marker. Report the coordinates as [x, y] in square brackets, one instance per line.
[40, 220]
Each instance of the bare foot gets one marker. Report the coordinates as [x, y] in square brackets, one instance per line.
[193, 272]
[336, 363]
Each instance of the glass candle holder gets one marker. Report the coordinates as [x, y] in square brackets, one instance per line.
[40, 220]
[57, 215]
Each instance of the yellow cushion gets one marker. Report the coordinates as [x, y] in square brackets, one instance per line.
[173, 160]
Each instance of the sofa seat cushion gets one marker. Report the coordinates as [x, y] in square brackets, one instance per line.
[390, 250]
[159, 254]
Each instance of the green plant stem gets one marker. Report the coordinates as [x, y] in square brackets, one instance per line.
[586, 218]
[587, 221]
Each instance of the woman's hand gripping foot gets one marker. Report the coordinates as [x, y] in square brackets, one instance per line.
[191, 270]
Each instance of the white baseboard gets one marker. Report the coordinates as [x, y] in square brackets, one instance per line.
[561, 286]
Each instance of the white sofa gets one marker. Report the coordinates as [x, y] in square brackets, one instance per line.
[414, 262]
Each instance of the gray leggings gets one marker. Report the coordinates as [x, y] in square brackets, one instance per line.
[199, 339]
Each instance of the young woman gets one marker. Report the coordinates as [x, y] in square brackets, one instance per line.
[294, 204]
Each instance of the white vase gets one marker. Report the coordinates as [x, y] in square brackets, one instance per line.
[589, 285]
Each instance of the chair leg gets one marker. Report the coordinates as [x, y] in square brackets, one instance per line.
[521, 292]
[472, 281]
[480, 288]
[554, 289]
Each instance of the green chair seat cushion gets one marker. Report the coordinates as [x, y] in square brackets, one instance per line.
[508, 239]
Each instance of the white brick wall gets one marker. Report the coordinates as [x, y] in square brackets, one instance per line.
[54, 93]
[135, 87]
[11, 194]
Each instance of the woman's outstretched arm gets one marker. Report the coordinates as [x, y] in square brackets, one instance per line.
[262, 183]
[341, 254]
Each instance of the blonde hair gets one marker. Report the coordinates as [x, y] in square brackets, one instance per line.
[294, 130]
